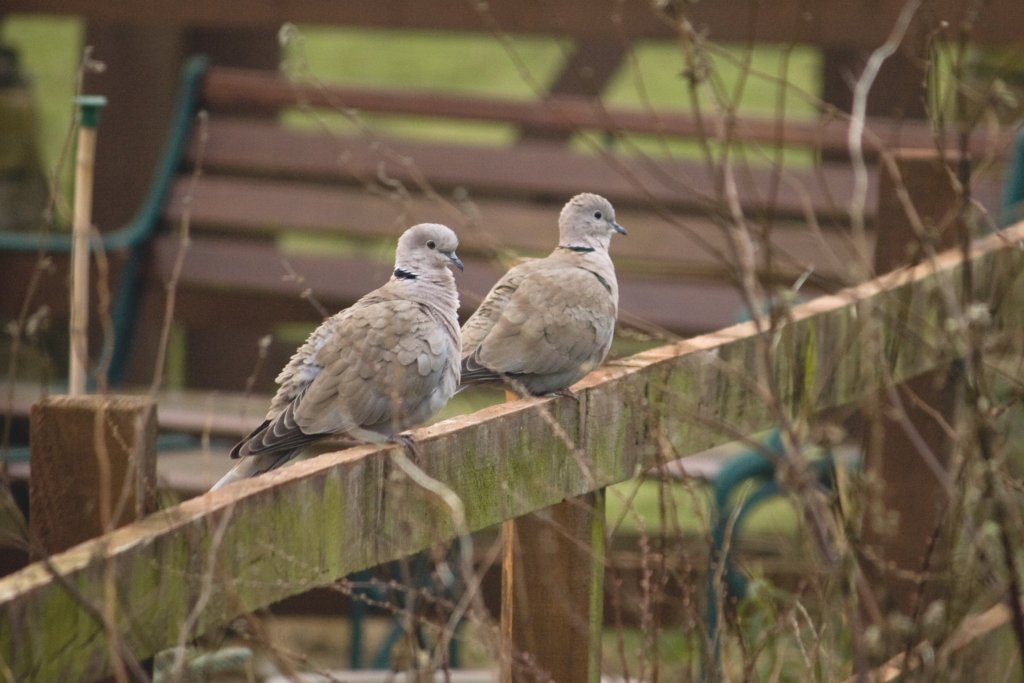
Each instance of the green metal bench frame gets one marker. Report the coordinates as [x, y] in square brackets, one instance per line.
[136, 233]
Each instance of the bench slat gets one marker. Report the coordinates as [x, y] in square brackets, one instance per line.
[527, 170]
[694, 246]
[233, 89]
[537, 170]
[257, 270]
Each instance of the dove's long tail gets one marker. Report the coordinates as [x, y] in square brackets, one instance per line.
[472, 373]
[253, 465]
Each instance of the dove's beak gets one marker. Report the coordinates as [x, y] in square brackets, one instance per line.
[619, 229]
[456, 261]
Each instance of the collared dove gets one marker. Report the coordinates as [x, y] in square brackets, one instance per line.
[387, 363]
[548, 322]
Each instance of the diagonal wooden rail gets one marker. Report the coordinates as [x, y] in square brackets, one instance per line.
[221, 554]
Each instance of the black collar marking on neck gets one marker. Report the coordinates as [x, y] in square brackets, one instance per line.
[579, 250]
[404, 274]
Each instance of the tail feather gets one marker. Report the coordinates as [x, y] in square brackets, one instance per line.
[254, 465]
[472, 373]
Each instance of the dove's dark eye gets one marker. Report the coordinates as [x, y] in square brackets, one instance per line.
[431, 244]
[597, 215]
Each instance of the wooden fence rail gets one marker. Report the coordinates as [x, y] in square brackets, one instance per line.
[209, 559]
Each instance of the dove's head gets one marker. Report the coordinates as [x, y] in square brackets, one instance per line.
[588, 221]
[426, 249]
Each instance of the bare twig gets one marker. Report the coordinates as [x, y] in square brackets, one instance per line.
[458, 517]
[855, 135]
[185, 241]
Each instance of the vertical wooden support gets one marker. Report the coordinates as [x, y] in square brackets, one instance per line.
[899, 89]
[585, 72]
[927, 181]
[552, 593]
[78, 350]
[93, 467]
[78, 363]
[902, 521]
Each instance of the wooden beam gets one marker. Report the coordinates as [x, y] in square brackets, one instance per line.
[253, 47]
[308, 524]
[142, 66]
[93, 470]
[826, 23]
[226, 268]
[139, 79]
[552, 591]
[920, 205]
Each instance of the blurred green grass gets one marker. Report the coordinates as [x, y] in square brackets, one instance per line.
[781, 82]
[465, 64]
[49, 51]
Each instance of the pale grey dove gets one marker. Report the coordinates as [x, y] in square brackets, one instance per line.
[387, 363]
[550, 321]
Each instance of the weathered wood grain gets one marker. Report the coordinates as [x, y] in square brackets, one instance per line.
[238, 549]
[552, 593]
[93, 466]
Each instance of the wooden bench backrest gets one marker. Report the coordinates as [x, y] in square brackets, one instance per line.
[260, 180]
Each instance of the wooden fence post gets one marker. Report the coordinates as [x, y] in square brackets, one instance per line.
[902, 517]
[93, 467]
[552, 593]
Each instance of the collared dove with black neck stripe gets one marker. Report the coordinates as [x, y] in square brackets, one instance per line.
[387, 363]
[550, 321]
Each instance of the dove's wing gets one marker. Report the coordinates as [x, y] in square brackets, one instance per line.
[394, 366]
[382, 365]
[554, 328]
[490, 310]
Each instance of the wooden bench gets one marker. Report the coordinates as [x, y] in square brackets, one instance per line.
[262, 180]
[596, 37]
[246, 181]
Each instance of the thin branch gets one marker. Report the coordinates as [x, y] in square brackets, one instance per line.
[856, 131]
[185, 241]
